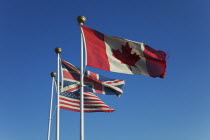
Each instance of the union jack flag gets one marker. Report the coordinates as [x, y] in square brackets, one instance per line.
[71, 101]
[93, 82]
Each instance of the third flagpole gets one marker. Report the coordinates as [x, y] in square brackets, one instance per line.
[81, 20]
[53, 74]
[58, 51]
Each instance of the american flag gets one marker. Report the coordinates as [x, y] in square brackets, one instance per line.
[71, 101]
[93, 81]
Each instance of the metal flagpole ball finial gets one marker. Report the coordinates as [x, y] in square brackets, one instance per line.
[53, 74]
[81, 20]
[58, 50]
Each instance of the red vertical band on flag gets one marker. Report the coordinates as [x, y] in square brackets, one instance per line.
[156, 62]
[96, 48]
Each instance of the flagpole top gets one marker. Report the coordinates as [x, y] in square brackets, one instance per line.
[53, 74]
[81, 20]
[58, 50]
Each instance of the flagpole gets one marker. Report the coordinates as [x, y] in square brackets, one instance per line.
[58, 51]
[81, 20]
[53, 74]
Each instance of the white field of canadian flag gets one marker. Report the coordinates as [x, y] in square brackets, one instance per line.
[122, 55]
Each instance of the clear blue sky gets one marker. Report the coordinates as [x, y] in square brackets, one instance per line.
[174, 108]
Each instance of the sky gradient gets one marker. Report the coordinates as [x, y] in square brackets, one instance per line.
[174, 108]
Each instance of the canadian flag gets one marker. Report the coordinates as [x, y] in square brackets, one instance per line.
[122, 55]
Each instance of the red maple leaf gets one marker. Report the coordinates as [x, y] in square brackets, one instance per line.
[125, 56]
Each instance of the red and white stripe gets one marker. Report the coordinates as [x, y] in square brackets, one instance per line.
[100, 55]
[91, 104]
